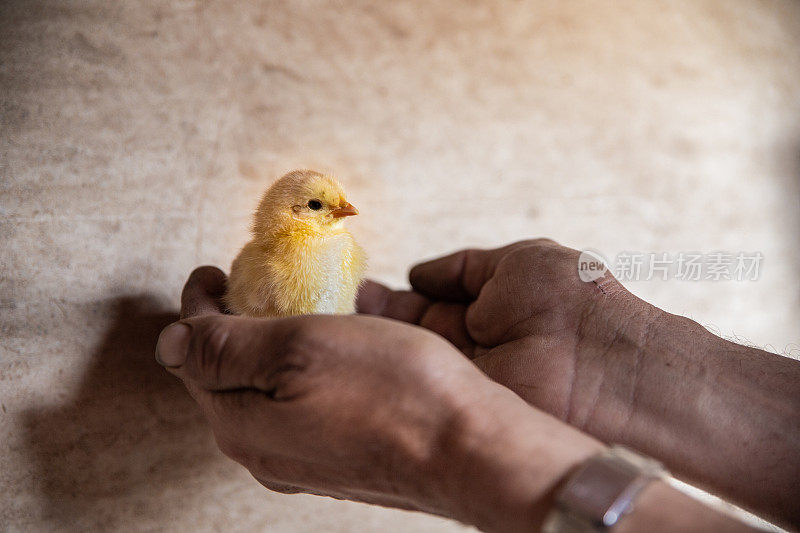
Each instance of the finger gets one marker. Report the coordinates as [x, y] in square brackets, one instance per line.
[459, 276]
[221, 352]
[203, 292]
[444, 318]
[448, 319]
[377, 299]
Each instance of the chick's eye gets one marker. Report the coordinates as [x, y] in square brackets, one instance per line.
[316, 205]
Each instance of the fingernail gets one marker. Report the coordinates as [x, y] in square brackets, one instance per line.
[173, 344]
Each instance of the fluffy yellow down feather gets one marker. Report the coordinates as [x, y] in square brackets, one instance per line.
[301, 259]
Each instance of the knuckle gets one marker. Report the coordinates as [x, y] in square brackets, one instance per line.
[541, 265]
[303, 342]
[213, 347]
[522, 258]
[539, 242]
[542, 253]
[286, 375]
[544, 241]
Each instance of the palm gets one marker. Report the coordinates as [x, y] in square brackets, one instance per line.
[516, 312]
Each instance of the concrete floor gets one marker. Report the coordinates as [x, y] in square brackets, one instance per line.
[137, 137]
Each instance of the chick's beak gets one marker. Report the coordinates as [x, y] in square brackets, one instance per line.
[345, 209]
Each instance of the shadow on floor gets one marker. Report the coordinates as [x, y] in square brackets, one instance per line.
[131, 432]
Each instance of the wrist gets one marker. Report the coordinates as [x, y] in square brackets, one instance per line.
[506, 461]
[633, 363]
[673, 390]
[720, 416]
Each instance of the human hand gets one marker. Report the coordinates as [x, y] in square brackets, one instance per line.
[367, 409]
[525, 318]
[609, 363]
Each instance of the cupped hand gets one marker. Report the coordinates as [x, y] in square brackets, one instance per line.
[354, 407]
[614, 366]
[524, 316]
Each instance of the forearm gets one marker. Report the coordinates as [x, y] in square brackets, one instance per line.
[504, 478]
[721, 415]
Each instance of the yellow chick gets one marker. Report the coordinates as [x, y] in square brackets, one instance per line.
[301, 259]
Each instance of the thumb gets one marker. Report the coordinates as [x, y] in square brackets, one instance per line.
[461, 275]
[221, 352]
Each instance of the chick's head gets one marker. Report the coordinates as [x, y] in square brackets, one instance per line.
[305, 201]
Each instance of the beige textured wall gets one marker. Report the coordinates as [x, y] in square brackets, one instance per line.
[137, 136]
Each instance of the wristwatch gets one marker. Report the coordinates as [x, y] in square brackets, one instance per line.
[601, 491]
